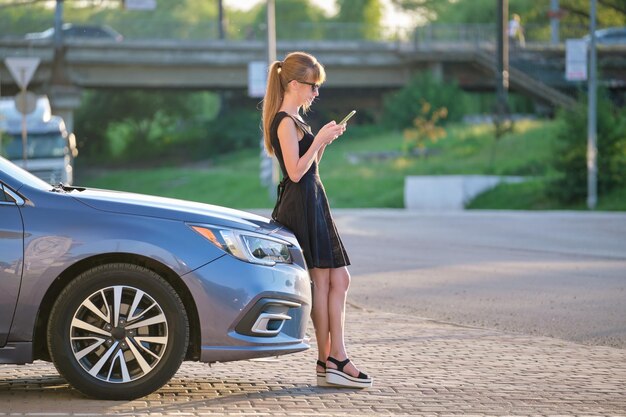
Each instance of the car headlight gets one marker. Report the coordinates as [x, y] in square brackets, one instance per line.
[247, 246]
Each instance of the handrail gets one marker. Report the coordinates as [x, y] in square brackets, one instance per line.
[525, 82]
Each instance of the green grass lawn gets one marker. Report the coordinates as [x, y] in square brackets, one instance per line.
[233, 180]
[531, 195]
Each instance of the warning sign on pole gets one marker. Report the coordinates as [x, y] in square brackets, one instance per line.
[140, 4]
[257, 78]
[22, 69]
[575, 60]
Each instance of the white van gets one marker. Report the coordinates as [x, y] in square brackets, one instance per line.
[8, 111]
[50, 148]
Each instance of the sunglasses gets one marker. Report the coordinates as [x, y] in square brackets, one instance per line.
[314, 87]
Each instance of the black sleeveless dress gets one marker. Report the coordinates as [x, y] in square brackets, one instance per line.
[303, 207]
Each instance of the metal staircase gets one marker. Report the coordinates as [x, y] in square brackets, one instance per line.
[523, 82]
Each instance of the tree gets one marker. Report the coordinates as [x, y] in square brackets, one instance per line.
[570, 154]
[184, 19]
[609, 13]
[403, 106]
[18, 20]
[294, 19]
[179, 20]
[144, 115]
[364, 16]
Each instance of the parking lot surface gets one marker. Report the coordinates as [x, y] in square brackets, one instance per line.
[512, 279]
[420, 367]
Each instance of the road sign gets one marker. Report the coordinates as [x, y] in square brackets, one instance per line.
[575, 60]
[257, 78]
[140, 4]
[26, 102]
[22, 69]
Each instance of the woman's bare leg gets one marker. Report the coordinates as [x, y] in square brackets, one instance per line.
[339, 284]
[319, 312]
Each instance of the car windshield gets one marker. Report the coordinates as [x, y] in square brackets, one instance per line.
[38, 146]
[22, 175]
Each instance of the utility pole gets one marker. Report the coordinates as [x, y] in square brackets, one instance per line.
[220, 19]
[502, 54]
[58, 26]
[271, 57]
[554, 22]
[592, 150]
[58, 77]
[502, 59]
[271, 31]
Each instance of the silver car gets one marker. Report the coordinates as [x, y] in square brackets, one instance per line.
[117, 289]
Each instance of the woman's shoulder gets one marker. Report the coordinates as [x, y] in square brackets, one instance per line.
[279, 117]
[282, 115]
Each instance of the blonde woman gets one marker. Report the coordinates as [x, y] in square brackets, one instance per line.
[302, 206]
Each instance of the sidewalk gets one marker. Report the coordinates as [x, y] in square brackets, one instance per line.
[420, 367]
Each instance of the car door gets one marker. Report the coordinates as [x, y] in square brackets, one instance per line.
[11, 256]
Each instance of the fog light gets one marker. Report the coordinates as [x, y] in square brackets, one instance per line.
[269, 323]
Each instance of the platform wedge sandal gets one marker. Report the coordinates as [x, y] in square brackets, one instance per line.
[321, 376]
[337, 377]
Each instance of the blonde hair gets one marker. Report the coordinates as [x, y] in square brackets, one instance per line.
[298, 66]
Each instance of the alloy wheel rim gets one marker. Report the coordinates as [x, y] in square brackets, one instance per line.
[119, 334]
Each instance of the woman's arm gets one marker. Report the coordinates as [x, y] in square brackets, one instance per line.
[288, 136]
[320, 152]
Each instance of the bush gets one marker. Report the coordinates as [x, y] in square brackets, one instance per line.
[162, 138]
[425, 128]
[234, 130]
[135, 125]
[403, 106]
[570, 155]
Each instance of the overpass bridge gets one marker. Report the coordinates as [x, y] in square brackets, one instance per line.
[359, 71]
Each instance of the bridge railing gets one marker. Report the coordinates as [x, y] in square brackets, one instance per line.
[482, 33]
[133, 27]
[151, 29]
[340, 31]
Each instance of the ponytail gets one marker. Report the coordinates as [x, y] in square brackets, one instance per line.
[272, 102]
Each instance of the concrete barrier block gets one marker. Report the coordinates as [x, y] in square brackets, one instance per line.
[447, 192]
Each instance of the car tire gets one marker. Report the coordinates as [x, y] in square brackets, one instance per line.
[118, 331]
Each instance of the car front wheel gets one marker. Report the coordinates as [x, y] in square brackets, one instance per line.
[118, 331]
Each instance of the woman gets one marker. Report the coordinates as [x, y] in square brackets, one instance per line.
[293, 84]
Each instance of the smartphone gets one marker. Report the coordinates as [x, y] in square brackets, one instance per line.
[345, 119]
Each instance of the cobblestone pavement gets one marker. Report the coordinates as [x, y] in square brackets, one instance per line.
[420, 367]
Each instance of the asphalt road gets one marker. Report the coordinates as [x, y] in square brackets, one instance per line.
[557, 274]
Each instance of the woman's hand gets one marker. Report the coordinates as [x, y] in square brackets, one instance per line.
[329, 132]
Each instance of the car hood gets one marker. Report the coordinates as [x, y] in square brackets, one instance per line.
[169, 208]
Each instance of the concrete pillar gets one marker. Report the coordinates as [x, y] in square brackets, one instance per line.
[64, 100]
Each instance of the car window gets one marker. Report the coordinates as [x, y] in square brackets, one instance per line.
[39, 146]
[86, 32]
[617, 35]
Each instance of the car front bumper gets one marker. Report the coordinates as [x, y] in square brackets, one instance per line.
[249, 311]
